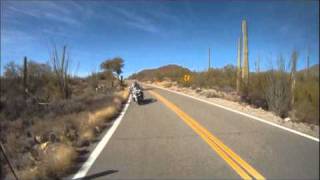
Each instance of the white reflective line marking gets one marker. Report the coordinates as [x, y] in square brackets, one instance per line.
[242, 113]
[98, 149]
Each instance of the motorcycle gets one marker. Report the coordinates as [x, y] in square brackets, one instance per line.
[137, 96]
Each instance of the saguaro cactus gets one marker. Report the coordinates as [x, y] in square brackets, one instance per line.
[25, 75]
[209, 64]
[239, 65]
[294, 59]
[245, 66]
[308, 62]
[257, 65]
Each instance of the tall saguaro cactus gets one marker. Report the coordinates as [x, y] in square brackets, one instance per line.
[294, 59]
[25, 76]
[308, 62]
[257, 65]
[239, 65]
[245, 66]
[209, 64]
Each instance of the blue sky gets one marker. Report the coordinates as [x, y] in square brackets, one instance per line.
[149, 34]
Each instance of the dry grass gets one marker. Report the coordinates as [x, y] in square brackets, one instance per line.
[39, 139]
[165, 84]
[32, 173]
[96, 120]
[123, 94]
[56, 159]
[86, 135]
[104, 114]
[51, 159]
[88, 121]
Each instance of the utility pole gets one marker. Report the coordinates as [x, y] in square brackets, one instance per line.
[209, 65]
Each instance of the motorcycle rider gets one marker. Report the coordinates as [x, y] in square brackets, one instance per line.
[135, 87]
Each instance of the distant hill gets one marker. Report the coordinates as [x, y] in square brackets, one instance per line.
[171, 71]
[175, 72]
[313, 70]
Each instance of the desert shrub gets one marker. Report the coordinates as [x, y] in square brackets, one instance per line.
[270, 90]
[257, 88]
[14, 107]
[40, 75]
[220, 79]
[41, 119]
[306, 107]
[94, 80]
[212, 94]
[62, 121]
[40, 86]
[278, 90]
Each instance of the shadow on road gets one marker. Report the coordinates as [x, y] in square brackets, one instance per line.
[148, 101]
[93, 176]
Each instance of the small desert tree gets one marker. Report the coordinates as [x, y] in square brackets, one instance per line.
[13, 94]
[40, 80]
[12, 70]
[12, 78]
[114, 66]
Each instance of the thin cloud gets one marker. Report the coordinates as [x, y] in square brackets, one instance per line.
[14, 36]
[50, 18]
[59, 12]
[136, 20]
[63, 19]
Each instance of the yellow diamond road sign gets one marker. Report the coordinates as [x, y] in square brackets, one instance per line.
[186, 77]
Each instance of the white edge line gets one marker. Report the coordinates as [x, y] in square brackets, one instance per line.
[98, 149]
[242, 113]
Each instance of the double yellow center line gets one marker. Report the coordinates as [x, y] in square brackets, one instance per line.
[235, 161]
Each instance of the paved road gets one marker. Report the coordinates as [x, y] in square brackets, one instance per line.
[182, 140]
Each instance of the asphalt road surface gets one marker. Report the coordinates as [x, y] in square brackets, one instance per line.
[175, 137]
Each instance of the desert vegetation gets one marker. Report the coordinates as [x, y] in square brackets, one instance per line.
[48, 116]
[281, 88]
[270, 90]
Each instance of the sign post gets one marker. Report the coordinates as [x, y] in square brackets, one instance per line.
[7, 159]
